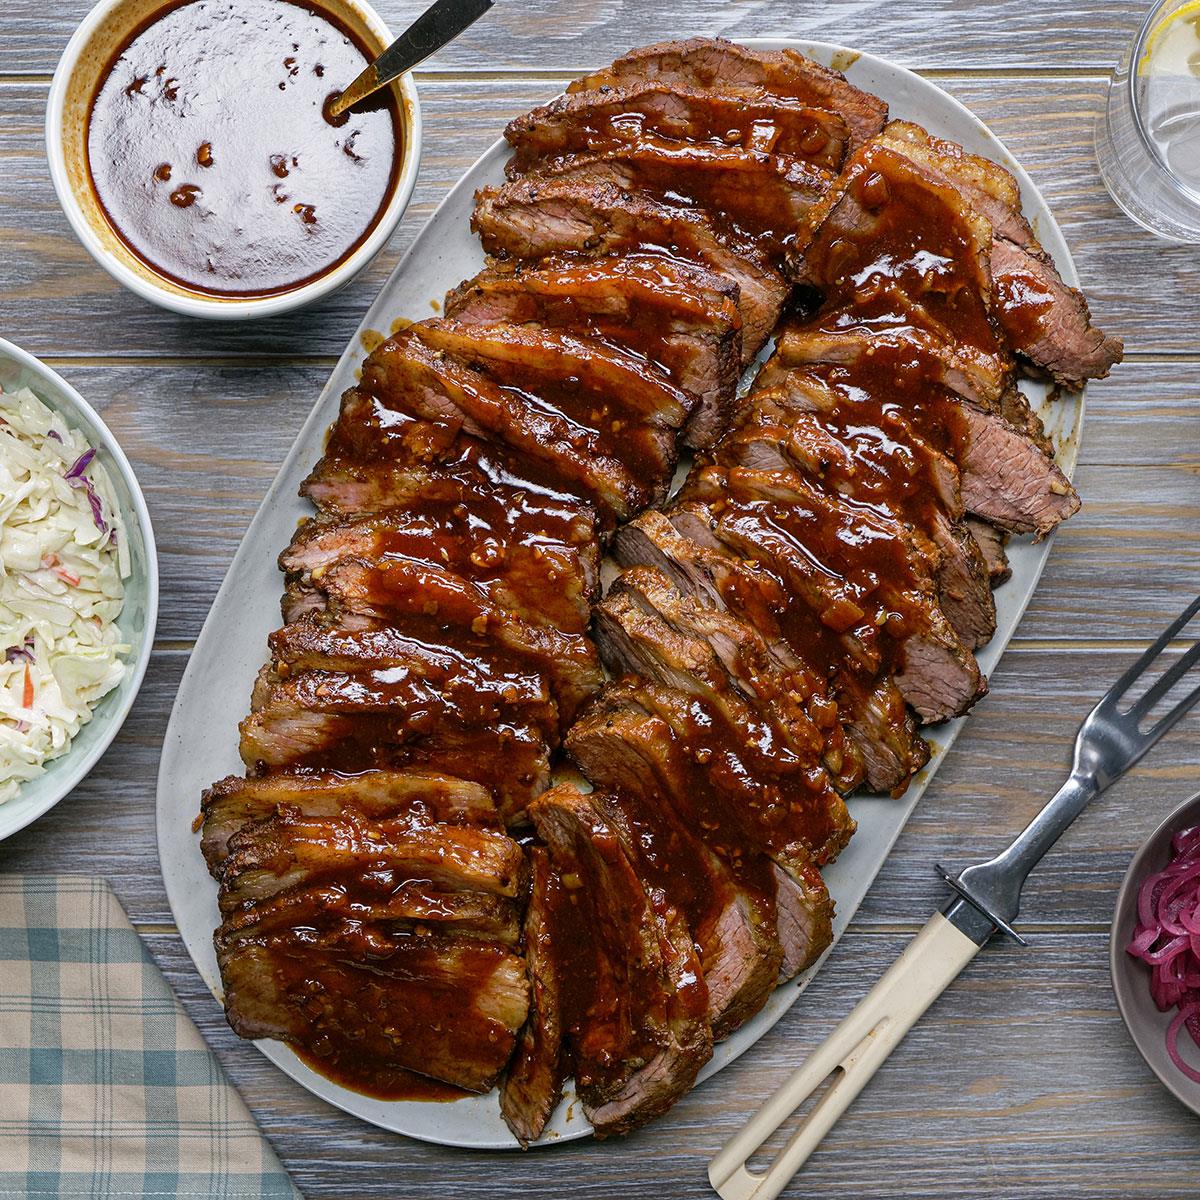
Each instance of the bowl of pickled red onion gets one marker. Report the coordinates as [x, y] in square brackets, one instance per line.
[1155, 952]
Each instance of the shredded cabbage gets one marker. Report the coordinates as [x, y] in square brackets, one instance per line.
[63, 557]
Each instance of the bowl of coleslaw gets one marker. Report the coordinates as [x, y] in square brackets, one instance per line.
[78, 588]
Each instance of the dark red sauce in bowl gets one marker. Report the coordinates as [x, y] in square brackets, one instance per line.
[211, 156]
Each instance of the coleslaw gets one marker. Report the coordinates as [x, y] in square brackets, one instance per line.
[63, 559]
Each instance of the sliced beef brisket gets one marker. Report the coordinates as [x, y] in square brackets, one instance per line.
[749, 117]
[679, 316]
[535, 218]
[1004, 476]
[538, 578]
[415, 377]
[634, 757]
[369, 1006]
[234, 803]
[635, 1004]
[377, 900]
[1044, 320]
[716, 65]
[290, 849]
[390, 719]
[478, 636]
[778, 624]
[762, 196]
[532, 1085]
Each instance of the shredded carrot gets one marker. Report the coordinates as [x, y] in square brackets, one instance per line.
[27, 699]
[66, 576]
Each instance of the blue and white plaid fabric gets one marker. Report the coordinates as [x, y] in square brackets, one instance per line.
[106, 1086]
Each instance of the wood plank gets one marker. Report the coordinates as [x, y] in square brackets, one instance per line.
[54, 300]
[574, 35]
[1013, 754]
[1020, 1082]
[206, 439]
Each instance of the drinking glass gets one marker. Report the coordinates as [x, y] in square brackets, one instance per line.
[1148, 135]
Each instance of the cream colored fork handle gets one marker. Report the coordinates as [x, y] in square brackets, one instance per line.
[855, 1050]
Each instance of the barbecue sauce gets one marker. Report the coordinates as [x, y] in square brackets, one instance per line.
[612, 992]
[212, 157]
[522, 569]
[771, 126]
[380, 1080]
[906, 253]
[1025, 300]
[393, 459]
[368, 1009]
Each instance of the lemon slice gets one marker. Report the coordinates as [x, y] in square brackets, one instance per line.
[1172, 43]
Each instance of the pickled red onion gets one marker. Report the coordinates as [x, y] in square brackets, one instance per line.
[1167, 939]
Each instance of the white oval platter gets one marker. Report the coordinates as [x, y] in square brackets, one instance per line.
[201, 739]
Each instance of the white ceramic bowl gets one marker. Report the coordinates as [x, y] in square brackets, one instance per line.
[139, 614]
[86, 57]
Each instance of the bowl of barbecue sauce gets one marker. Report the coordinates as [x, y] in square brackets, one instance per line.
[191, 147]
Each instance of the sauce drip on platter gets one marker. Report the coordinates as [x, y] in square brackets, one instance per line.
[380, 1081]
[211, 155]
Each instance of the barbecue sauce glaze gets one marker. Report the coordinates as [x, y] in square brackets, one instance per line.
[381, 1082]
[369, 978]
[212, 158]
[904, 273]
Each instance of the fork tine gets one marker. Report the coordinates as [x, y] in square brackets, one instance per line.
[1185, 705]
[1165, 683]
[1122, 685]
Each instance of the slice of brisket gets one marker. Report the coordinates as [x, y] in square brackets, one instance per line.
[737, 649]
[634, 741]
[634, 999]
[991, 542]
[719, 65]
[529, 218]
[290, 850]
[532, 1085]
[414, 377]
[805, 918]
[893, 246]
[233, 803]
[1045, 321]
[762, 196]
[856, 570]
[1004, 476]
[488, 641]
[635, 759]
[376, 900]
[679, 316]
[880, 730]
[377, 459]
[390, 719]
[876, 461]
[747, 117]
[371, 1006]
[537, 577]
[787, 802]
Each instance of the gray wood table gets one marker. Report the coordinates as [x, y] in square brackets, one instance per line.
[1021, 1081]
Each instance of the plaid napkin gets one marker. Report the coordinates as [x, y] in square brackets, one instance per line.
[106, 1086]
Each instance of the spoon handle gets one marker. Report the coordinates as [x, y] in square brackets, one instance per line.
[438, 25]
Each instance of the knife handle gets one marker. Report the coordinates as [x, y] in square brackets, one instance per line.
[851, 1054]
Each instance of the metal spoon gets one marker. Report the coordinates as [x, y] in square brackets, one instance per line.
[438, 25]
